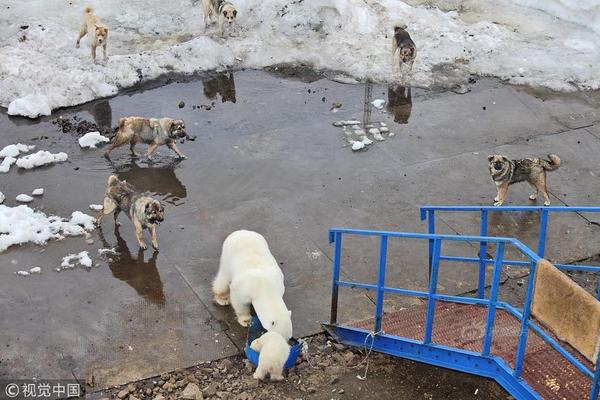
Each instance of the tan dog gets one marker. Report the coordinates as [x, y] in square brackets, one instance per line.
[145, 212]
[97, 30]
[221, 8]
[505, 172]
[403, 43]
[153, 131]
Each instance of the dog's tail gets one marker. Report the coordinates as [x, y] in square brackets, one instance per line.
[399, 25]
[113, 179]
[551, 164]
[89, 9]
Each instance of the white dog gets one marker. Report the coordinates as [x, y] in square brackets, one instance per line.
[248, 274]
[96, 29]
[221, 9]
[274, 352]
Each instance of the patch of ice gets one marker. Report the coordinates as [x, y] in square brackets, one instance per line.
[38, 192]
[22, 224]
[40, 158]
[96, 207]
[378, 103]
[91, 139]
[32, 106]
[13, 150]
[24, 198]
[346, 123]
[6, 164]
[357, 146]
[82, 258]
[22, 273]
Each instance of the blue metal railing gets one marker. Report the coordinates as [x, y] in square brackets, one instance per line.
[428, 213]
[510, 377]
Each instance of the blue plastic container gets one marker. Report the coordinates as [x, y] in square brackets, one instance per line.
[255, 331]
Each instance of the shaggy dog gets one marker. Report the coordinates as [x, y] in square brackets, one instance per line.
[221, 8]
[97, 30]
[145, 212]
[408, 50]
[505, 172]
[153, 132]
[249, 275]
[274, 352]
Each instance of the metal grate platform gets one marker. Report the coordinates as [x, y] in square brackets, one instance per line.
[463, 326]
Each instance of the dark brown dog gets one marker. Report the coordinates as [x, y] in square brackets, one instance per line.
[505, 172]
[408, 50]
[153, 132]
[145, 212]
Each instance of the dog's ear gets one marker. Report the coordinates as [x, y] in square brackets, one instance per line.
[490, 158]
[147, 206]
[272, 323]
[505, 159]
[224, 13]
[235, 13]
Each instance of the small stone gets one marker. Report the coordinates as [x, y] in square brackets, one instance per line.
[333, 380]
[123, 393]
[338, 346]
[159, 397]
[181, 104]
[226, 364]
[211, 389]
[192, 392]
[341, 391]
[311, 389]
[132, 397]
[89, 241]
[168, 386]
[349, 357]
[131, 387]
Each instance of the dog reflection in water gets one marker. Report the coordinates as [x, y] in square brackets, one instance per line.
[221, 83]
[142, 275]
[400, 103]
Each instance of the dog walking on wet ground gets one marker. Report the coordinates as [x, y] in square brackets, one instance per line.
[506, 172]
[144, 211]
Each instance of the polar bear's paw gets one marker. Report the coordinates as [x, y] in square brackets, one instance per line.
[222, 299]
[244, 320]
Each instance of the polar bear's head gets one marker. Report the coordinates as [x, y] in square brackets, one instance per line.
[282, 325]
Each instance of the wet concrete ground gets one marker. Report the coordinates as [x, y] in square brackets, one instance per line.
[267, 158]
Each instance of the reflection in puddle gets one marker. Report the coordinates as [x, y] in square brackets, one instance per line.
[400, 103]
[520, 225]
[159, 180]
[142, 275]
[102, 114]
[221, 83]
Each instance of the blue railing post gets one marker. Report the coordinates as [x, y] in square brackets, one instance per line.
[482, 254]
[380, 282]
[431, 231]
[595, 384]
[542, 234]
[491, 314]
[435, 263]
[525, 322]
[598, 288]
[337, 253]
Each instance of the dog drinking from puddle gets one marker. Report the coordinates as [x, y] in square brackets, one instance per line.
[505, 172]
[222, 9]
[153, 132]
[145, 212]
[249, 275]
[98, 32]
[274, 352]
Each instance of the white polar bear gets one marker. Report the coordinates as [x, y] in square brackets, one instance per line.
[274, 352]
[248, 274]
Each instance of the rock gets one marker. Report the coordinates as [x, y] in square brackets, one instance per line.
[181, 104]
[123, 393]
[211, 389]
[168, 386]
[89, 241]
[226, 364]
[244, 396]
[131, 387]
[349, 357]
[334, 370]
[311, 389]
[192, 392]
[334, 379]
[223, 395]
[339, 346]
[159, 397]
[132, 397]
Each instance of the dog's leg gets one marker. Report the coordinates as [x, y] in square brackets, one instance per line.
[541, 186]
[173, 146]
[410, 70]
[221, 25]
[132, 147]
[400, 68]
[122, 137]
[82, 32]
[534, 195]
[104, 50]
[94, 52]
[154, 237]
[260, 373]
[108, 206]
[276, 375]
[151, 149]
[241, 308]
[220, 286]
[502, 192]
[139, 234]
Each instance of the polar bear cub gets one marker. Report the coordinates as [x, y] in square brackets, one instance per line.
[274, 352]
[249, 275]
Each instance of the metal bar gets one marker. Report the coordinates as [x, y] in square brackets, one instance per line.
[491, 312]
[513, 208]
[542, 234]
[337, 253]
[482, 254]
[595, 384]
[437, 246]
[380, 282]
[431, 231]
[525, 322]
[562, 267]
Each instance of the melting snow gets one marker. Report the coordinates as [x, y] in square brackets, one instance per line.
[38, 192]
[91, 139]
[70, 261]
[6, 164]
[96, 207]
[2, 197]
[40, 158]
[378, 103]
[13, 150]
[24, 198]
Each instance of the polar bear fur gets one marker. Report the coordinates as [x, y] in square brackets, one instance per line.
[249, 275]
[274, 352]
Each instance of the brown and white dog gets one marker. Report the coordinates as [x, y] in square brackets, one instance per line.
[145, 212]
[96, 29]
[151, 131]
[407, 48]
[222, 9]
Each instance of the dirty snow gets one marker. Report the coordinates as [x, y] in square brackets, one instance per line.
[22, 224]
[378, 103]
[107, 251]
[24, 198]
[33, 270]
[38, 192]
[40, 158]
[91, 139]
[13, 150]
[6, 164]
[2, 197]
[22, 273]
[72, 260]
[523, 41]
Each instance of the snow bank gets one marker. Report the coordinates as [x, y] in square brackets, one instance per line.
[41, 69]
[6, 164]
[24, 198]
[40, 158]
[91, 139]
[21, 224]
[13, 150]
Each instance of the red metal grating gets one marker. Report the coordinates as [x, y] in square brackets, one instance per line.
[463, 326]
